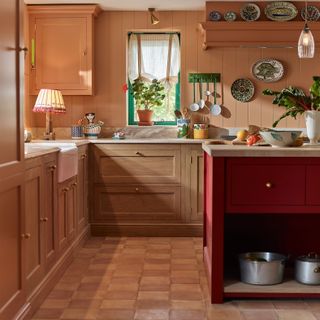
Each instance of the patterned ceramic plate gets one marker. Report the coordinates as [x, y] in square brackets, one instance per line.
[281, 11]
[242, 90]
[214, 16]
[230, 16]
[268, 70]
[313, 13]
[250, 12]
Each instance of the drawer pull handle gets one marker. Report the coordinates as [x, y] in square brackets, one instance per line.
[139, 154]
[52, 168]
[269, 185]
[26, 236]
[137, 189]
[44, 219]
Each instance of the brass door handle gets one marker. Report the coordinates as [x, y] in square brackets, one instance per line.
[26, 236]
[269, 185]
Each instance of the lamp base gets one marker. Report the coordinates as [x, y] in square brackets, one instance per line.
[49, 136]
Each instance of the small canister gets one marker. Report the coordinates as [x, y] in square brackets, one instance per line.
[200, 131]
[183, 128]
[77, 132]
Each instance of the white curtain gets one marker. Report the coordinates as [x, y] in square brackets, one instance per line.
[154, 56]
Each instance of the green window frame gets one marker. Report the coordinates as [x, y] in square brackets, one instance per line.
[131, 104]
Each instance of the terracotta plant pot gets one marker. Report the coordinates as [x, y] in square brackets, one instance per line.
[145, 117]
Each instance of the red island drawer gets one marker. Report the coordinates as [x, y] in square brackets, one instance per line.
[259, 187]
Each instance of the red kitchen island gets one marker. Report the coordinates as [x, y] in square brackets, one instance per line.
[259, 199]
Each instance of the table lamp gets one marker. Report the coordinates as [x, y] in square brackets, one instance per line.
[49, 101]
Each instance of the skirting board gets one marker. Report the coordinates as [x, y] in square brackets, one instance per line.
[148, 230]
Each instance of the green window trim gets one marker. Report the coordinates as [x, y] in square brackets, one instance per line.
[131, 105]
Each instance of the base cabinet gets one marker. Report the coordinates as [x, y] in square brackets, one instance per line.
[146, 189]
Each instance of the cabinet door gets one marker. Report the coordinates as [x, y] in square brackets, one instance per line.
[61, 42]
[63, 189]
[82, 212]
[34, 232]
[12, 179]
[49, 218]
[196, 185]
[71, 209]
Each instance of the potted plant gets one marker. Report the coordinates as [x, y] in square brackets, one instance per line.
[147, 96]
[296, 101]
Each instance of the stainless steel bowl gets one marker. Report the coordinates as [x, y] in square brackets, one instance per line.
[262, 268]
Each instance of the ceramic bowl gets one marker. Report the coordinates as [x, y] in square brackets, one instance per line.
[280, 138]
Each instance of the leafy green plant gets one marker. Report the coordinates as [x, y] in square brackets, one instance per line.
[295, 100]
[148, 95]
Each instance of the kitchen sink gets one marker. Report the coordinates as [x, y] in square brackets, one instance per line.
[67, 156]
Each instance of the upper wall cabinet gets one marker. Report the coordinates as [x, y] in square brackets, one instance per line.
[217, 32]
[61, 48]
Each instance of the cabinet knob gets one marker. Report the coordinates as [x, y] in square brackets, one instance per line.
[74, 184]
[44, 219]
[83, 156]
[52, 168]
[139, 153]
[65, 189]
[269, 185]
[26, 236]
[137, 189]
[23, 49]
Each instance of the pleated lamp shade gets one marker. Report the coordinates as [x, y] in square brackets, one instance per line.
[49, 100]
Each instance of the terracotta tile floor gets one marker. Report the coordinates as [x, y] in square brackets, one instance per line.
[152, 279]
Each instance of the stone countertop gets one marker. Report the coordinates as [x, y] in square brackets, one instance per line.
[259, 151]
[150, 140]
[40, 152]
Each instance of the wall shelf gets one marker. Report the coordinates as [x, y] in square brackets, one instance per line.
[204, 77]
[254, 34]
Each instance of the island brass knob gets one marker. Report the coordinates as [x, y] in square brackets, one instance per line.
[269, 185]
[26, 236]
[65, 189]
[54, 167]
[44, 219]
[137, 189]
[84, 156]
[139, 153]
[74, 184]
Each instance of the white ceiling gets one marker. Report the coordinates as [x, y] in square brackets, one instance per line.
[137, 4]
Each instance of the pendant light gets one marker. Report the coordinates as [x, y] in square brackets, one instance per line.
[154, 20]
[306, 41]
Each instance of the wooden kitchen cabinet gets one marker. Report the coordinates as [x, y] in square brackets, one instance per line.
[146, 189]
[259, 204]
[61, 48]
[82, 217]
[67, 206]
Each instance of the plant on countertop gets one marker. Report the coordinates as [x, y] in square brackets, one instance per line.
[148, 95]
[295, 100]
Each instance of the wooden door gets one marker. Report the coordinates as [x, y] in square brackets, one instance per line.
[12, 293]
[49, 217]
[82, 211]
[34, 231]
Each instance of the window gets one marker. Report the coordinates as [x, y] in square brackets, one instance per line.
[155, 56]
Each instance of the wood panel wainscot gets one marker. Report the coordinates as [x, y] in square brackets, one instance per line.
[146, 189]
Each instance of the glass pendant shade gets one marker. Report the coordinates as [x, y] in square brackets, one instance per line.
[306, 43]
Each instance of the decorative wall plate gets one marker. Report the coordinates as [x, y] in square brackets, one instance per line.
[230, 16]
[313, 13]
[250, 12]
[281, 11]
[242, 90]
[214, 16]
[268, 70]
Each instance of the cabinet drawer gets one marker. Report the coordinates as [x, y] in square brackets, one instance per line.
[137, 163]
[258, 186]
[313, 185]
[137, 203]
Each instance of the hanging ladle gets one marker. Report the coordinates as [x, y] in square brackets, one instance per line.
[215, 108]
[194, 106]
[201, 102]
[208, 94]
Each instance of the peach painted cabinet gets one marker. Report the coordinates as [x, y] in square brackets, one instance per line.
[61, 48]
